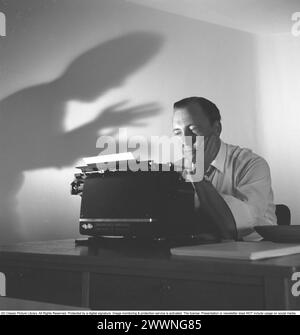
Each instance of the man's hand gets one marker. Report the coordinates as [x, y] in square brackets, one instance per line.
[77, 184]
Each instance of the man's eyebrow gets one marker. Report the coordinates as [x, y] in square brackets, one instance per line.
[187, 126]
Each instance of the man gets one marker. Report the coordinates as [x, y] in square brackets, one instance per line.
[235, 194]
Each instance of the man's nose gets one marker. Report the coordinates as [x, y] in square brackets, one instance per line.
[189, 137]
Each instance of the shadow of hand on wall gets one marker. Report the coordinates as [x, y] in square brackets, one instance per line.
[32, 135]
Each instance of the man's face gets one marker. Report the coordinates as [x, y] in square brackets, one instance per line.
[191, 121]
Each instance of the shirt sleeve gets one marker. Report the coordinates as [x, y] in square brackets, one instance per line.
[251, 198]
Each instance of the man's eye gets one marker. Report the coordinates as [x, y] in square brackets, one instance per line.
[177, 132]
[196, 130]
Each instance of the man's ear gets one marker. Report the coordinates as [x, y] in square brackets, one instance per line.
[217, 128]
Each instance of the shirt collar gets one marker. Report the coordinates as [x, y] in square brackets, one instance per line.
[219, 161]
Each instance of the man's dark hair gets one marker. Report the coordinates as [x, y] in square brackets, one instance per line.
[209, 108]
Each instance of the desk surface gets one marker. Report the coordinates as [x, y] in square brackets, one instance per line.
[109, 254]
[118, 275]
[10, 304]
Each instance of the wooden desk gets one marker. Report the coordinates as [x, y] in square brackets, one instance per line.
[120, 277]
[11, 304]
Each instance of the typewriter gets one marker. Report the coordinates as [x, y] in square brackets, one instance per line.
[153, 202]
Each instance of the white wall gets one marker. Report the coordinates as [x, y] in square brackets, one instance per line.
[64, 62]
[278, 112]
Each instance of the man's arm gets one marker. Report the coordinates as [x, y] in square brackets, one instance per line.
[247, 207]
[250, 203]
[212, 204]
[217, 210]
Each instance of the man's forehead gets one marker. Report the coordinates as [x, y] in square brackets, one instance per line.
[193, 113]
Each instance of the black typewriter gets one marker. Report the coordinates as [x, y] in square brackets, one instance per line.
[154, 202]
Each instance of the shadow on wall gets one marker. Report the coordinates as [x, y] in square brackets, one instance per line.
[31, 120]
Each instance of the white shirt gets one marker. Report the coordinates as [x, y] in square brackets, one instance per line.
[243, 180]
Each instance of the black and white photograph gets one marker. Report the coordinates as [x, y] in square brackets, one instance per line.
[149, 160]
